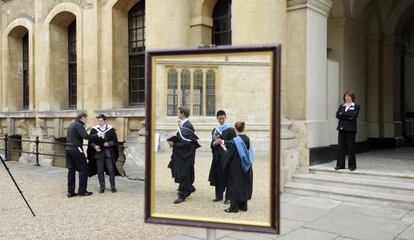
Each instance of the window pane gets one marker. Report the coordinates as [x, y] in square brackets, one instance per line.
[172, 98]
[211, 93]
[185, 88]
[221, 34]
[136, 37]
[72, 65]
[198, 93]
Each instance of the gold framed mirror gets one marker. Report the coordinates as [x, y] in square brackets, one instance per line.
[213, 135]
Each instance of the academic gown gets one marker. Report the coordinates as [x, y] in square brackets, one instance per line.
[183, 153]
[239, 184]
[216, 176]
[110, 135]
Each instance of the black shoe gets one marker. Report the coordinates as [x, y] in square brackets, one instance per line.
[179, 200]
[227, 202]
[85, 194]
[113, 190]
[72, 195]
[243, 209]
[352, 169]
[230, 210]
[337, 168]
[217, 199]
[102, 191]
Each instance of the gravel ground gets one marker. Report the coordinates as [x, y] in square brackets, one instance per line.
[100, 216]
[200, 204]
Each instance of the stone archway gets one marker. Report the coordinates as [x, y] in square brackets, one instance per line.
[14, 35]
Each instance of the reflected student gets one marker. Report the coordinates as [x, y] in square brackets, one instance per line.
[184, 145]
[239, 170]
[221, 133]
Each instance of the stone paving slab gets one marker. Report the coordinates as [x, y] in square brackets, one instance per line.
[408, 234]
[358, 226]
[308, 234]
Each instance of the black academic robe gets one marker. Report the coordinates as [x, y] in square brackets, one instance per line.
[110, 135]
[183, 153]
[239, 184]
[220, 158]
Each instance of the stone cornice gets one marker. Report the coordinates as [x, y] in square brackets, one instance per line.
[319, 6]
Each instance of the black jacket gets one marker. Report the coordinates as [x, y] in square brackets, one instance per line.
[76, 133]
[347, 119]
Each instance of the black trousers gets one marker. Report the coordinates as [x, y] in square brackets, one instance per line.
[220, 186]
[102, 163]
[346, 140]
[76, 161]
[184, 189]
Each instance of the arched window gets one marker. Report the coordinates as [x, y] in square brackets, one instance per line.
[221, 34]
[72, 64]
[25, 71]
[136, 39]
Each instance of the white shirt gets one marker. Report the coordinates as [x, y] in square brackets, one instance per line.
[348, 106]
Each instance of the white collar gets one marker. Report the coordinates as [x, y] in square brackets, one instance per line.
[183, 121]
[105, 128]
[352, 104]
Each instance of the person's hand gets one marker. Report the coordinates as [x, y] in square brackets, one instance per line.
[218, 142]
[101, 134]
[106, 144]
[97, 148]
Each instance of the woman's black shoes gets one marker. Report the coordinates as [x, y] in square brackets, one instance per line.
[352, 169]
[338, 168]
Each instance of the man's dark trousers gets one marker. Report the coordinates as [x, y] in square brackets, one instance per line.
[103, 162]
[76, 161]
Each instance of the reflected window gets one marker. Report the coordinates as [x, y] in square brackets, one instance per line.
[221, 34]
[172, 96]
[185, 88]
[136, 47]
[191, 89]
[198, 93]
[211, 93]
[26, 71]
[72, 64]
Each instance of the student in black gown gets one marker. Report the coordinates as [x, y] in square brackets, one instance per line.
[223, 132]
[184, 145]
[239, 170]
[347, 115]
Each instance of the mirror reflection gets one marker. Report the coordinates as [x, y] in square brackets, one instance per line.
[211, 148]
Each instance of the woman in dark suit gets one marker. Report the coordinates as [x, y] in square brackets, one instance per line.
[347, 127]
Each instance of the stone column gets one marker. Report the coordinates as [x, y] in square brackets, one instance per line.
[373, 70]
[306, 71]
[390, 91]
[88, 92]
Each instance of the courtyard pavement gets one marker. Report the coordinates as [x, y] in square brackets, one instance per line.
[120, 215]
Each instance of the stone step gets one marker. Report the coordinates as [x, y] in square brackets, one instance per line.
[351, 195]
[368, 174]
[357, 182]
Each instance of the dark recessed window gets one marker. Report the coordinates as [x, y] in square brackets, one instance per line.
[72, 64]
[136, 46]
[26, 71]
[221, 34]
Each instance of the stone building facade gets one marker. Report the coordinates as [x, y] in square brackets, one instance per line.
[57, 56]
